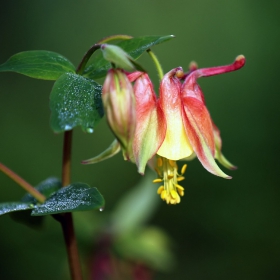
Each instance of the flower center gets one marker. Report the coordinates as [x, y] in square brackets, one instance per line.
[167, 171]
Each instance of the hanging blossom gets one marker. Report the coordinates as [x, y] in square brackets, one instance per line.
[174, 126]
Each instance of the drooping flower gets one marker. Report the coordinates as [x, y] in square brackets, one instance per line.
[177, 125]
[174, 126]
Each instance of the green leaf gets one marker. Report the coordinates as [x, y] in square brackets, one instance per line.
[75, 100]
[25, 218]
[47, 188]
[43, 65]
[75, 197]
[9, 207]
[135, 47]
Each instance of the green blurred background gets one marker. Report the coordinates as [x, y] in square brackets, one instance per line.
[222, 229]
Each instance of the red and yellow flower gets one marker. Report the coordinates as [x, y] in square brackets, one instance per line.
[176, 126]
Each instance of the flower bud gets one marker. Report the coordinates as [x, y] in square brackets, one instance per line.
[119, 103]
[118, 56]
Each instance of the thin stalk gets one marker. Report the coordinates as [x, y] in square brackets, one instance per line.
[71, 246]
[66, 219]
[30, 189]
[89, 53]
[157, 64]
[66, 158]
[114, 37]
[86, 57]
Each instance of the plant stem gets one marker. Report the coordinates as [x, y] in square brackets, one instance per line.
[71, 246]
[88, 54]
[85, 59]
[157, 64]
[114, 37]
[41, 198]
[66, 158]
[66, 219]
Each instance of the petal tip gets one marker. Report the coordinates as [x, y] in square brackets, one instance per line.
[239, 61]
[233, 168]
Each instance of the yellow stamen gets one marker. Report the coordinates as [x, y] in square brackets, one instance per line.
[167, 171]
[181, 193]
[183, 170]
[159, 162]
[158, 172]
[163, 194]
[157, 180]
[160, 189]
[172, 162]
[179, 187]
[180, 178]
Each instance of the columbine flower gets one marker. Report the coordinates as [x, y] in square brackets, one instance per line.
[119, 103]
[175, 126]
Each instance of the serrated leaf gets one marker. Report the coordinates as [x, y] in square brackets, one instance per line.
[9, 207]
[45, 65]
[75, 101]
[75, 197]
[135, 47]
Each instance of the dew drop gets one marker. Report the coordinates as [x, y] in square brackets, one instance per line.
[101, 209]
[90, 130]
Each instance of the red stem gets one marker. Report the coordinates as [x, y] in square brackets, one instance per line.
[41, 198]
[66, 219]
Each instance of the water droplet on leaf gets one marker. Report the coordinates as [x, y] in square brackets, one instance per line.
[67, 127]
[90, 130]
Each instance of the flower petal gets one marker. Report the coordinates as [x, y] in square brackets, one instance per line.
[150, 125]
[218, 153]
[199, 128]
[134, 75]
[176, 144]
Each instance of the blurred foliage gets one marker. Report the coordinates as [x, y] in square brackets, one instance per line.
[222, 229]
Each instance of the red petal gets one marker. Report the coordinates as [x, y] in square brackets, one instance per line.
[133, 76]
[206, 72]
[150, 125]
[199, 128]
[190, 88]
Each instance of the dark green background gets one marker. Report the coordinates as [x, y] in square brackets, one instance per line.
[222, 229]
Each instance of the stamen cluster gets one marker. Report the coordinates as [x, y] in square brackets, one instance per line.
[167, 171]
